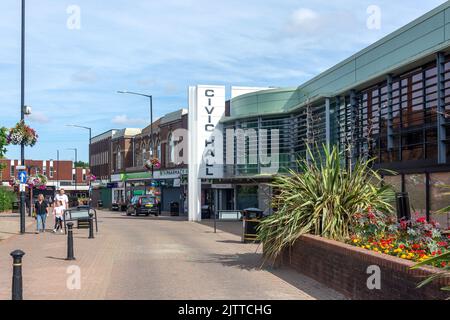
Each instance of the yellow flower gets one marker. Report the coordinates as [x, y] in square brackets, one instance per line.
[403, 256]
[355, 240]
[376, 249]
[386, 251]
[367, 246]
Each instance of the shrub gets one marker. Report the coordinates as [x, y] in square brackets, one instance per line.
[7, 197]
[321, 199]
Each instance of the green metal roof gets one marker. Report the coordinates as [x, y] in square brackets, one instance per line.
[422, 37]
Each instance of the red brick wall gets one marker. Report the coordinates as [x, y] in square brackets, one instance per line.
[63, 169]
[344, 268]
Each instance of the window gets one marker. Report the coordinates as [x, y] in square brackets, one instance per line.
[439, 197]
[84, 176]
[415, 185]
[11, 172]
[52, 172]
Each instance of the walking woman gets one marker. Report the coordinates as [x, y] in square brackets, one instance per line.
[41, 207]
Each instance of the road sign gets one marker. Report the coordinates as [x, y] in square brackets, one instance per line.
[22, 176]
[22, 187]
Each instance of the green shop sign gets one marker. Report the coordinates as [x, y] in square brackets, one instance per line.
[136, 176]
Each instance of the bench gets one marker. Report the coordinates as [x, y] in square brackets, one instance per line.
[80, 213]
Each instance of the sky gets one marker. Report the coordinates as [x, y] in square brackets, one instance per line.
[79, 53]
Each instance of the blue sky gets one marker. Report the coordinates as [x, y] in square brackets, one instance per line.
[162, 47]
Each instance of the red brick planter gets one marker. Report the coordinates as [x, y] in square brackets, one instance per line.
[344, 268]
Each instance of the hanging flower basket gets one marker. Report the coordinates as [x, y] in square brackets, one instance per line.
[155, 163]
[39, 182]
[22, 134]
[92, 178]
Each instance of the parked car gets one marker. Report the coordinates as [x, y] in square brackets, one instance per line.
[143, 205]
[115, 206]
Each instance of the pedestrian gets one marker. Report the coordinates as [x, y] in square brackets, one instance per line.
[61, 196]
[41, 207]
[58, 212]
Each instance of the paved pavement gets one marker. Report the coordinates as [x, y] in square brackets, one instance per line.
[151, 258]
[10, 225]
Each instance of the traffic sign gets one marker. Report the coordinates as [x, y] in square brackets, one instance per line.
[22, 187]
[23, 177]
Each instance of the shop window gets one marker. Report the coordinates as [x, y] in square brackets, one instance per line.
[440, 197]
[247, 197]
[415, 185]
[396, 183]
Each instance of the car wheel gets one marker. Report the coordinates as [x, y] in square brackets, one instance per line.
[136, 213]
[128, 212]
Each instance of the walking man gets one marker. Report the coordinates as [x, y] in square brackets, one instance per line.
[61, 196]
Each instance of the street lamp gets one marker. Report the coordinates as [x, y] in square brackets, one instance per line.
[151, 117]
[22, 116]
[89, 153]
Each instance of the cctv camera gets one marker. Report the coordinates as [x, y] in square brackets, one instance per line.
[27, 110]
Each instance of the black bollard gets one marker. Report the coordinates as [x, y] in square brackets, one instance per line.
[91, 225]
[17, 275]
[70, 255]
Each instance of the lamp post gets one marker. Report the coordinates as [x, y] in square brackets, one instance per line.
[22, 117]
[89, 154]
[29, 168]
[57, 169]
[151, 117]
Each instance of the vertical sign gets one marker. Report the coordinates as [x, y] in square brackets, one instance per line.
[206, 108]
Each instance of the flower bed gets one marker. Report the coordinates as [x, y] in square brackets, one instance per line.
[345, 268]
[416, 240]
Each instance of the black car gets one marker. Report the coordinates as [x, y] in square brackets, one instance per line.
[143, 205]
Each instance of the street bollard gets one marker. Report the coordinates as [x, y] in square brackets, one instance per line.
[70, 255]
[91, 225]
[17, 275]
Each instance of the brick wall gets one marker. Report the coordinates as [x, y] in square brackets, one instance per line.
[344, 268]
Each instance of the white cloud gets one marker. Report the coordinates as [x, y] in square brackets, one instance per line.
[38, 117]
[305, 19]
[123, 120]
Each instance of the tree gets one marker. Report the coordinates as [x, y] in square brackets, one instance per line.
[3, 143]
[81, 164]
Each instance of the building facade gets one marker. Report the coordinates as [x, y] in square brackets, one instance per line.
[101, 155]
[163, 141]
[390, 101]
[125, 173]
[59, 174]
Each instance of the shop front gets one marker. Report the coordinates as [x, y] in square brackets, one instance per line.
[168, 186]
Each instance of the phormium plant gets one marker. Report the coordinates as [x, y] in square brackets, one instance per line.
[321, 199]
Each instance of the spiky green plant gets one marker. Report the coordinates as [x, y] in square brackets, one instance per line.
[322, 199]
[437, 260]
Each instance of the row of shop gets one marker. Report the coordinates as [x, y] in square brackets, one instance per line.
[170, 186]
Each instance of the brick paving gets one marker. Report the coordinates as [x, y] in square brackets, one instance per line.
[151, 258]
[10, 225]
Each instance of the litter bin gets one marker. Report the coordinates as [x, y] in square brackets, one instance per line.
[251, 218]
[100, 203]
[15, 207]
[174, 209]
[403, 208]
[206, 212]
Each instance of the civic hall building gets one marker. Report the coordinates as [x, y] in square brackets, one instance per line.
[390, 101]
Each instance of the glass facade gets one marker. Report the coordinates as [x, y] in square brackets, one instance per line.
[401, 121]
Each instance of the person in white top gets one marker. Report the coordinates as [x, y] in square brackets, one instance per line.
[61, 196]
[58, 211]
